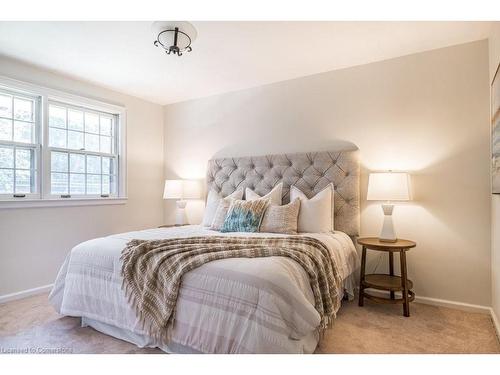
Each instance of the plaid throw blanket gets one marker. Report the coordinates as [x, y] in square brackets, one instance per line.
[152, 272]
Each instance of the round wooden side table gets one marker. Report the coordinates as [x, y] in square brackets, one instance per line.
[391, 282]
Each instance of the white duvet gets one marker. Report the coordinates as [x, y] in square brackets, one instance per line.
[239, 305]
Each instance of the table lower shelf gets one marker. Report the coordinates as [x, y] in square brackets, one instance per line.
[385, 282]
[411, 297]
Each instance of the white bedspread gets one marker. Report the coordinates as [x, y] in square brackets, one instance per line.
[239, 305]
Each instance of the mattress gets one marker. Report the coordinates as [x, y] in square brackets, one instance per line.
[238, 305]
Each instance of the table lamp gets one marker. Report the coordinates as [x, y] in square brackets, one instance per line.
[181, 190]
[389, 187]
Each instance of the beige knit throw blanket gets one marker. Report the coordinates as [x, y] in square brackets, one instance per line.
[152, 272]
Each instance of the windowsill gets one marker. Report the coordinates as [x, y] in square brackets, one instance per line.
[31, 203]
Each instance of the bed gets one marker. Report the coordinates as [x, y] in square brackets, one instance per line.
[238, 305]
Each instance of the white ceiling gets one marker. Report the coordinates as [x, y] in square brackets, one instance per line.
[226, 56]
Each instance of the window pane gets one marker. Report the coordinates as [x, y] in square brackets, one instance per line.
[57, 116]
[6, 181]
[23, 132]
[23, 181]
[76, 172]
[106, 184]
[5, 106]
[91, 123]
[23, 158]
[75, 120]
[23, 109]
[5, 129]
[106, 124]
[106, 165]
[93, 164]
[93, 184]
[113, 185]
[106, 144]
[59, 161]
[59, 183]
[6, 157]
[77, 183]
[77, 163]
[75, 140]
[91, 142]
[57, 138]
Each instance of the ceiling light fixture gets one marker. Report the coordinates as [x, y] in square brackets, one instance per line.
[174, 37]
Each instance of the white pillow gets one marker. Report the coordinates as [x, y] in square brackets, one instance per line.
[274, 195]
[213, 201]
[316, 214]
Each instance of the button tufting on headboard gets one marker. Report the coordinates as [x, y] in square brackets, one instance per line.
[310, 172]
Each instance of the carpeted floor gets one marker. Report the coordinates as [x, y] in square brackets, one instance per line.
[32, 325]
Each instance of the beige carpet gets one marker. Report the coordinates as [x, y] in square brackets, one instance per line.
[32, 324]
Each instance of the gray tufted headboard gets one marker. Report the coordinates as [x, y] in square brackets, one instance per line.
[310, 172]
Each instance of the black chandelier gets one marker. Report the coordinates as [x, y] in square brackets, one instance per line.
[174, 37]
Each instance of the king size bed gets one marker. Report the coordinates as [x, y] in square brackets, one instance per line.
[250, 304]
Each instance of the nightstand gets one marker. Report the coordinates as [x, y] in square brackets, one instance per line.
[172, 225]
[391, 282]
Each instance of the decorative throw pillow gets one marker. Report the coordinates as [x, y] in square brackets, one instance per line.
[274, 195]
[281, 219]
[213, 200]
[316, 214]
[245, 216]
[220, 214]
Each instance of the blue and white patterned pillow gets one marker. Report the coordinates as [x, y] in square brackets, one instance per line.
[245, 216]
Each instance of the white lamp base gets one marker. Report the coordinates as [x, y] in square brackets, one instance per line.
[388, 234]
[180, 214]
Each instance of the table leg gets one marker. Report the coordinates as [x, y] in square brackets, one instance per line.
[404, 281]
[391, 268]
[362, 276]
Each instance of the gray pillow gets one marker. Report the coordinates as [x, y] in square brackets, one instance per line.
[220, 214]
[213, 200]
[281, 219]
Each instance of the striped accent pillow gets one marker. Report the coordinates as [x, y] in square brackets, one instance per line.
[220, 214]
[245, 216]
[281, 219]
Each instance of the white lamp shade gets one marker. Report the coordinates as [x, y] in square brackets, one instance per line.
[173, 189]
[191, 189]
[388, 186]
[182, 189]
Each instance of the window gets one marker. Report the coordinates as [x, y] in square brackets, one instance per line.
[19, 149]
[83, 155]
[57, 147]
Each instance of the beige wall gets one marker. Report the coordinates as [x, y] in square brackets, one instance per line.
[34, 242]
[494, 45]
[426, 113]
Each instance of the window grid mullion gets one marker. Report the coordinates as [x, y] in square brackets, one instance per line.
[85, 145]
[101, 168]
[66, 128]
[16, 119]
[99, 136]
[14, 152]
[12, 114]
[85, 174]
[69, 175]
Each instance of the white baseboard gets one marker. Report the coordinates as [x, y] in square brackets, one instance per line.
[496, 323]
[442, 302]
[25, 293]
[454, 304]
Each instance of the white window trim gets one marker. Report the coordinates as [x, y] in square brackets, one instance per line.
[42, 197]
